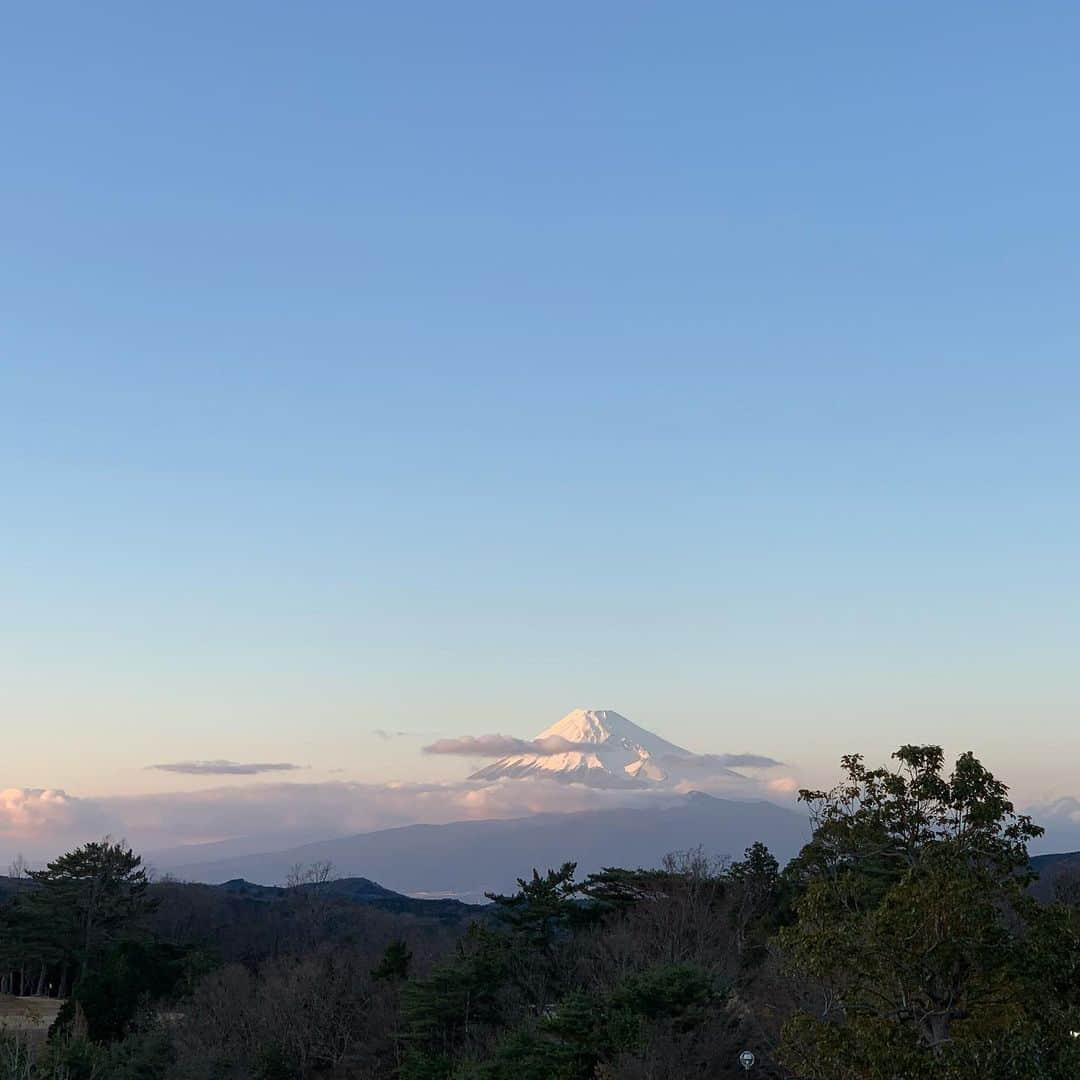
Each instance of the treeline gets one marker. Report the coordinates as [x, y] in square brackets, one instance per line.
[902, 943]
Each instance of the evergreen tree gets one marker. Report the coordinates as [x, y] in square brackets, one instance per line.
[542, 906]
[394, 965]
[89, 899]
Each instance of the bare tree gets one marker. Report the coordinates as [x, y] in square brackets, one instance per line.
[312, 895]
[19, 868]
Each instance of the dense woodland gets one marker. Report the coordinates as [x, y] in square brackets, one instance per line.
[903, 942]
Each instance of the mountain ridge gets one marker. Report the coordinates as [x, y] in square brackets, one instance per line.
[465, 859]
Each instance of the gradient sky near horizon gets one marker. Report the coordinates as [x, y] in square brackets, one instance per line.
[441, 368]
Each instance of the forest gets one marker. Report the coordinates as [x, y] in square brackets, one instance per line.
[904, 941]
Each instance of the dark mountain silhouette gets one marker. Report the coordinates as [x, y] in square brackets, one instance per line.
[1052, 867]
[357, 891]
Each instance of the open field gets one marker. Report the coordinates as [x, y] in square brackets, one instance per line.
[27, 1013]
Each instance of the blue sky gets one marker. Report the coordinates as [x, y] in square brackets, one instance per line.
[441, 368]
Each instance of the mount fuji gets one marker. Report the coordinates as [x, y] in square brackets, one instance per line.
[601, 748]
[660, 806]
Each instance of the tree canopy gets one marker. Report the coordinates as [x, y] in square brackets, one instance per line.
[924, 954]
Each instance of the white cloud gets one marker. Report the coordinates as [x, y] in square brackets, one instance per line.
[1063, 811]
[1061, 819]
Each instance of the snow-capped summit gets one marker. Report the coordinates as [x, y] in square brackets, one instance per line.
[597, 747]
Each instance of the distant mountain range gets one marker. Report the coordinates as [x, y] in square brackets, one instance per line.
[350, 889]
[363, 891]
[464, 859]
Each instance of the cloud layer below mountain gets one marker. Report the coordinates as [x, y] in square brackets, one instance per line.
[43, 822]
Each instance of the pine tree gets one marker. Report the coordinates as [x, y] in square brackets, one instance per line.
[90, 898]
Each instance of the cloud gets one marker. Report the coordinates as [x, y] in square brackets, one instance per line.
[48, 819]
[1060, 817]
[1065, 811]
[497, 746]
[723, 761]
[386, 736]
[279, 809]
[225, 768]
[783, 785]
[33, 809]
[42, 824]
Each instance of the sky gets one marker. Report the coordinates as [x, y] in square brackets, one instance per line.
[374, 374]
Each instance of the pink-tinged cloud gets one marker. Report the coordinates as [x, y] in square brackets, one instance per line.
[783, 785]
[42, 824]
[47, 816]
[497, 746]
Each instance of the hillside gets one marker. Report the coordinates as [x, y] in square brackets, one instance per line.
[358, 891]
[1051, 868]
[464, 859]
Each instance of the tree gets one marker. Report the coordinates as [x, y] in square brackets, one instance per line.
[311, 892]
[586, 1032]
[19, 868]
[109, 997]
[542, 906]
[914, 925]
[445, 1014]
[756, 878]
[394, 965]
[89, 898]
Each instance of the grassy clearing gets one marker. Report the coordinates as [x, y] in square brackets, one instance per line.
[27, 1013]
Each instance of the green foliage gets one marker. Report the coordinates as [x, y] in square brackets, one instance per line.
[109, 998]
[882, 822]
[15, 1060]
[587, 1030]
[679, 993]
[762, 902]
[272, 1063]
[394, 965]
[529, 1054]
[84, 901]
[142, 1056]
[615, 890]
[912, 918]
[758, 869]
[542, 906]
[72, 1059]
[457, 1002]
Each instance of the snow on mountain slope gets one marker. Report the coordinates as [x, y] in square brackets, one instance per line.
[597, 747]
